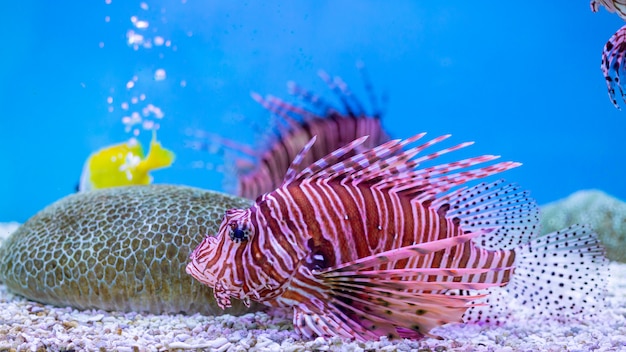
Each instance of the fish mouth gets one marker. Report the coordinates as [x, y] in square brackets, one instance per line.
[223, 291]
[197, 262]
[203, 276]
[224, 282]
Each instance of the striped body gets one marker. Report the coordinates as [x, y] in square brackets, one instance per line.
[348, 233]
[339, 230]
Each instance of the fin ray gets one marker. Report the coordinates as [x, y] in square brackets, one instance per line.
[561, 274]
[402, 253]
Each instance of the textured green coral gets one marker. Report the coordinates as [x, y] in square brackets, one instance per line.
[605, 214]
[119, 249]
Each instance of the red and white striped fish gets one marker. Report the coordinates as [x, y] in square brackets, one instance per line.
[614, 52]
[370, 245]
[263, 169]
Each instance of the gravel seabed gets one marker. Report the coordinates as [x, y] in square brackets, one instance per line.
[26, 325]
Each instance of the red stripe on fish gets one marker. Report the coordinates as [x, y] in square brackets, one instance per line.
[369, 243]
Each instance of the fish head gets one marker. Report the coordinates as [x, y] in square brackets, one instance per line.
[231, 262]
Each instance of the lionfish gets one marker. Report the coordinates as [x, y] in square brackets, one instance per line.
[294, 127]
[614, 52]
[367, 244]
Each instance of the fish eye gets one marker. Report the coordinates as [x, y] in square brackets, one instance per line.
[237, 234]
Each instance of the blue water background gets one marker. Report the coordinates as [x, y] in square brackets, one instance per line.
[522, 79]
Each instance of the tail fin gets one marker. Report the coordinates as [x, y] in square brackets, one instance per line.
[562, 275]
[158, 156]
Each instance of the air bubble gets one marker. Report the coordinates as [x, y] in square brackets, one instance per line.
[159, 74]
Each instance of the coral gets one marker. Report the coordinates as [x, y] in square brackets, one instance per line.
[122, 249]
[607, 216]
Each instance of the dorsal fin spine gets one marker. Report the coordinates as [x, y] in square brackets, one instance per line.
[292, 171]
[316, 168]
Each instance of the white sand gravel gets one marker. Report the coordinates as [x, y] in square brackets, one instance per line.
[26, 325]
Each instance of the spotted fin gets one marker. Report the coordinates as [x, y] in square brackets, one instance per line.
[613, 62]
[561, 274]
[511, 214]
[614, 51]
